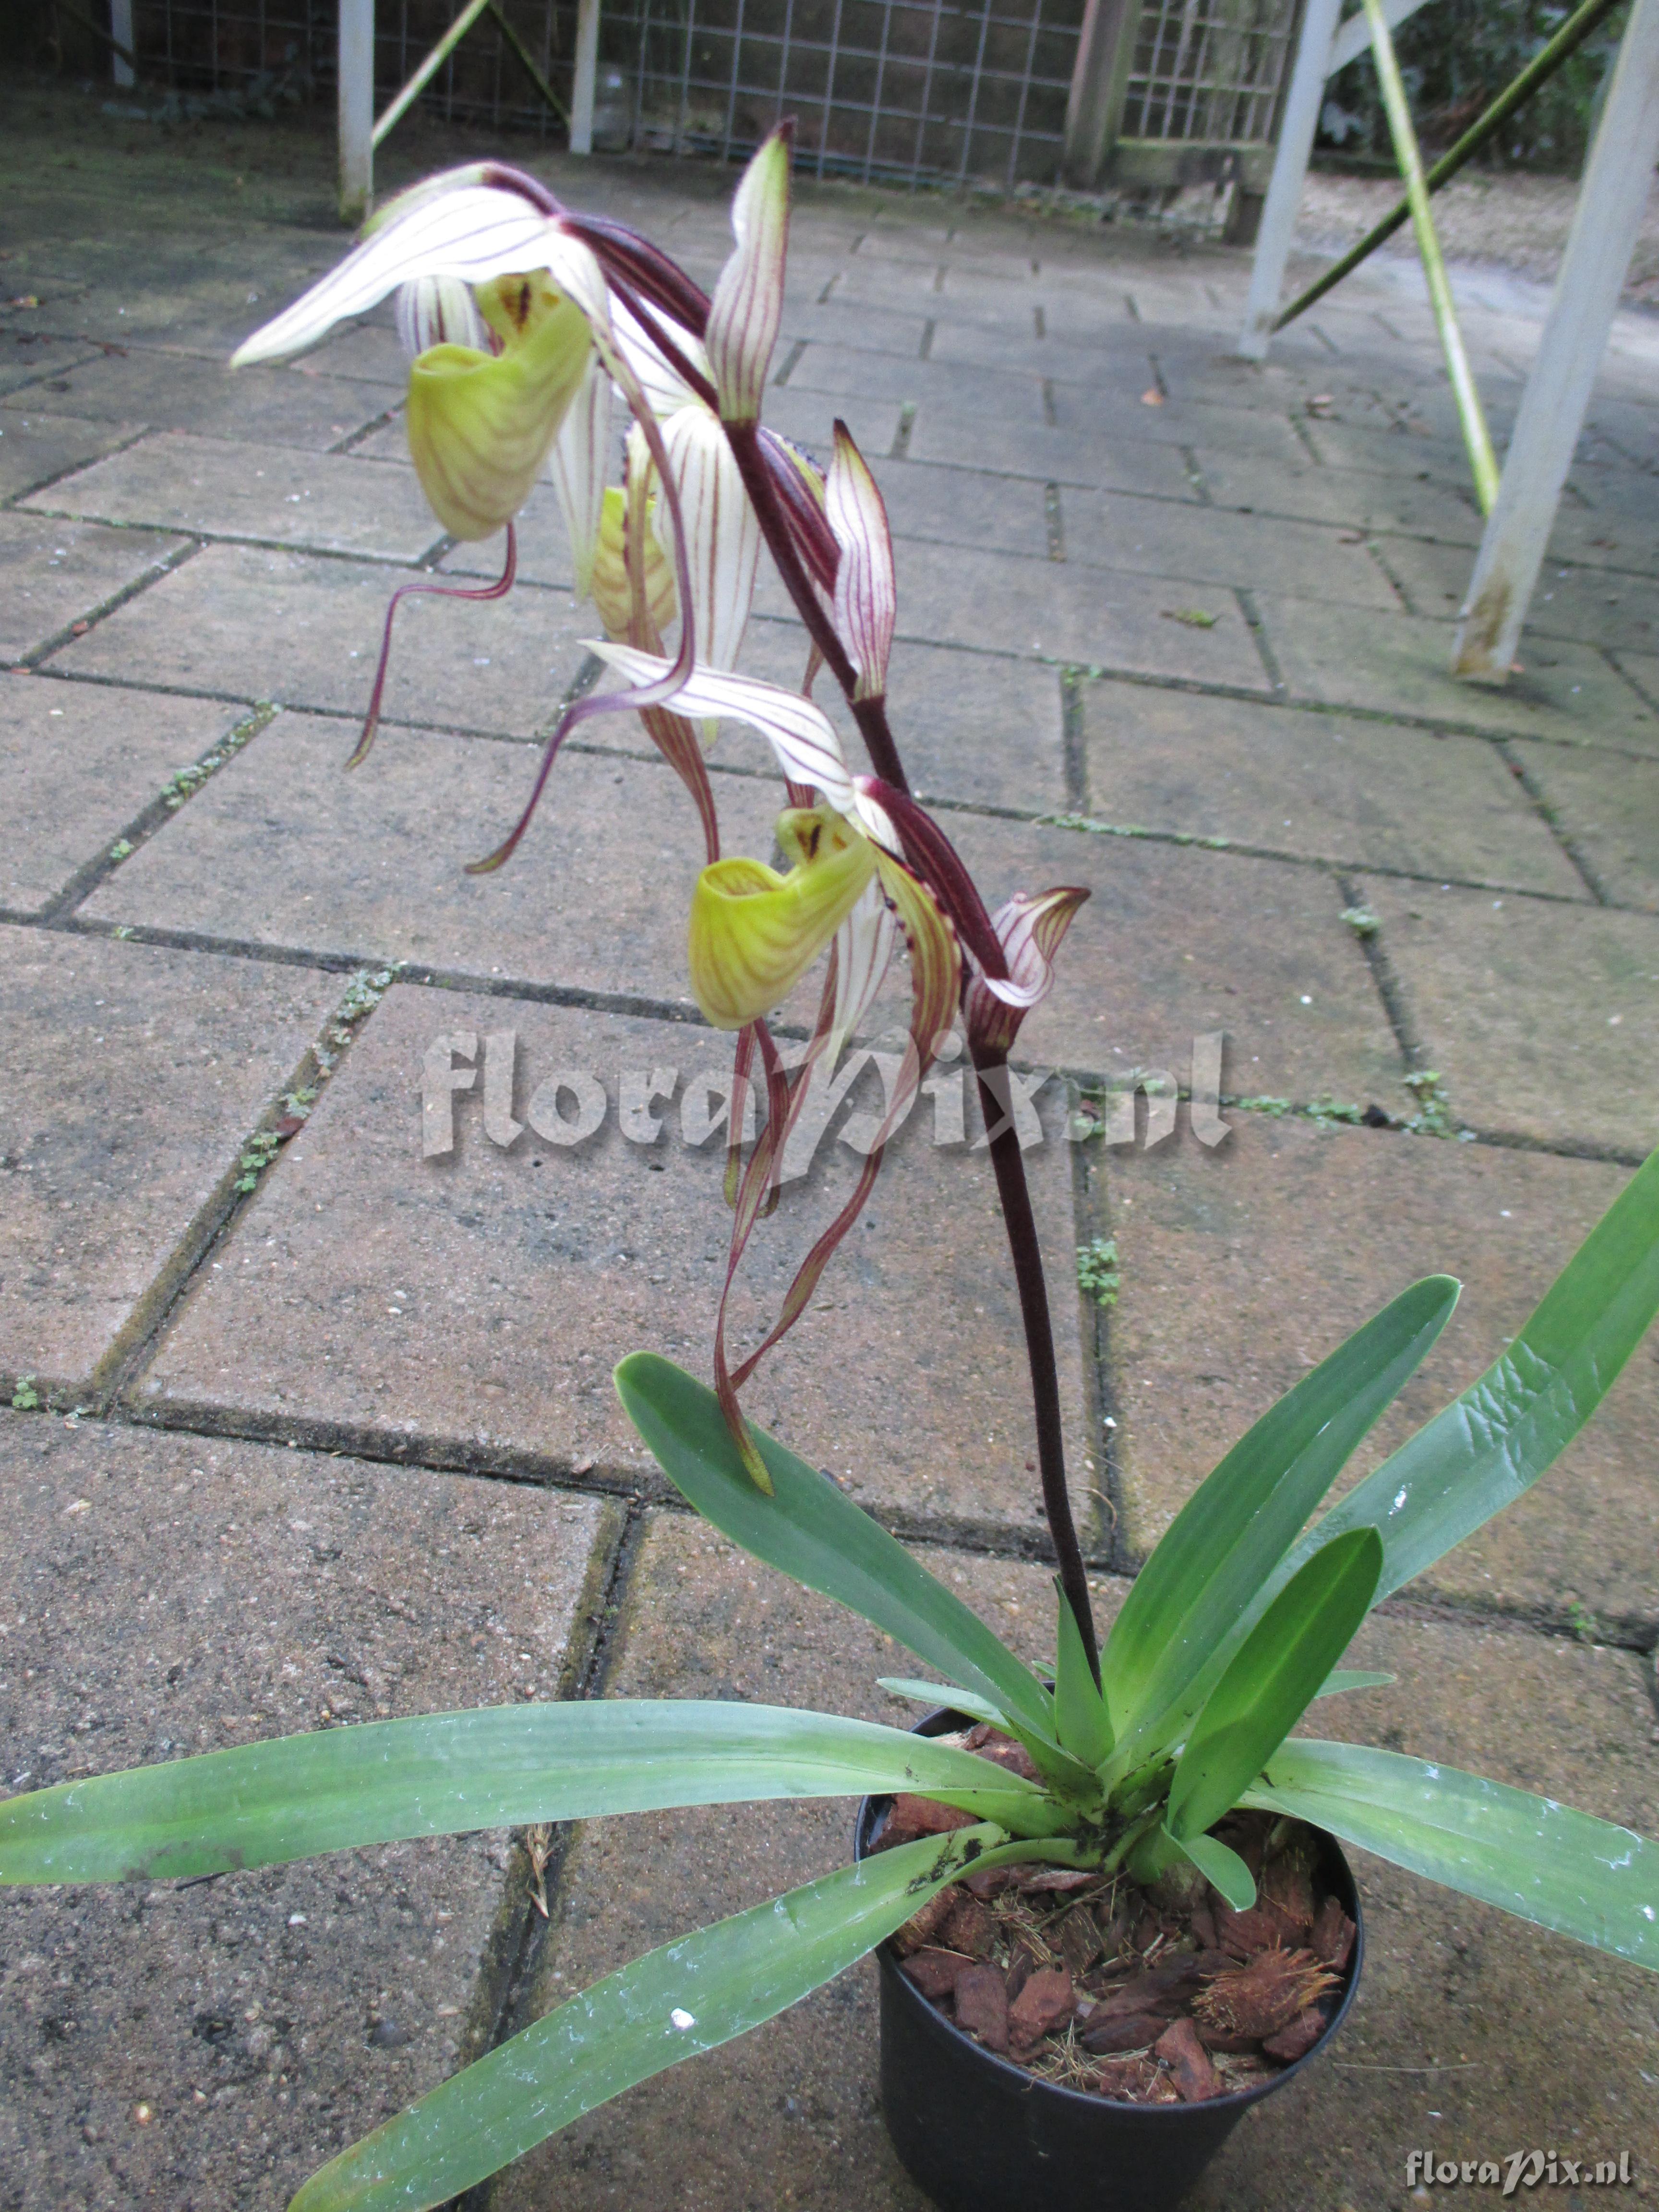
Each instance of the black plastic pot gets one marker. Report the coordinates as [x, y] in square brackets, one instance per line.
[980, 2135]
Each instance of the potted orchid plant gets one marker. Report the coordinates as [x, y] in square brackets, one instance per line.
[1110, 1897]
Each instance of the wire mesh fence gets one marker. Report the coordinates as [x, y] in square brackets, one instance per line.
[899, 91]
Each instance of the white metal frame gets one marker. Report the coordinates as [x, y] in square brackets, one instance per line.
[1611, 201]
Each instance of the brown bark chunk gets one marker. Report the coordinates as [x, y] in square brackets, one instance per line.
[1333, 1935]
[969, 1926]
[1077, 1939]
[1244, 1933]
[911, 1817]
[1293, 2042]
[935, 1973]
[1134, 2082]
[923, 1926]
[1123, 2031]
[1044, 2004]
[1265, 1995]
[1189, 2062]
[982, 2006]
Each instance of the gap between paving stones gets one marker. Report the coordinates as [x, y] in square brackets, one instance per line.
[165, 564]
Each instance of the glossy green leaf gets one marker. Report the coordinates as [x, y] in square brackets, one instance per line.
[263, 1803]
[934, 1694]
[1221, 1868]
[1493, 1443]
[674, 2002]
[1271, 1680]
[1568, 1871]
[1080, 1717]
[1342, 1679]
[812, 1533]
[1192, 1595]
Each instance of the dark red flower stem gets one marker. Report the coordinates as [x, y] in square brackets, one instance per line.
[1007, 1161]
[1008, 1164]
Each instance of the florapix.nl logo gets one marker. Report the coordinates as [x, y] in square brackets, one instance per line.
[567, 1106]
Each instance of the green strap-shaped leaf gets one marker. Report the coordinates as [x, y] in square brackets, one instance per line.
[1221, 1548]
[1080, 1717]
[687, 1997]
[1343, 1678]
[1271, 1680]
[1221, 1868]
[1566, 1870]
[1494, 1441]
[263, 1803]
[810, 1531]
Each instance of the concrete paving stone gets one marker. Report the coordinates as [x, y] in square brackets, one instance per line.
[365, 353]
[543, 543]
[1610, 809]
[1591, 605]
[257, 405]
[1242, 1267]
[522, 1275]
[209, 2045]
[1400, 664]
[1542, 1017]
[1209, 545]
[809, 418]
[1014, 342]
[1344, 496]
[80, 760]
[227, 488]
[871, 329]
[1127, 465]
[1059, 610]
[1443, 1975]
[27, 359]
[36, 445]
[52, 573]
[976, 392]
[389, 443]
[283, 848]
[1093, 417]
[1174, 944]
[1359, 792]
[1384, 446]
[964, 507]
[970, 728]
[1606, 537]
[133, 1076]
[305, 630]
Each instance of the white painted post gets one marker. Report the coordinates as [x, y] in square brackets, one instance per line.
[120, 28]
[582, 90]
[1611, 201]
[357, 109]
[1296, 136]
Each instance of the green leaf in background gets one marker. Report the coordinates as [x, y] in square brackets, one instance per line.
[810, 1531]
[1342, 1679]
[1223, 1546]
[1221, 1868]
[1567, 1870]
[1494, 1441]
[687, 1997]
[1270, 1681]
[264, 1803]
[1080, 1717]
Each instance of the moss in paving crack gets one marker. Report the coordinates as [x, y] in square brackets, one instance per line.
[120, 850]
[258, 1154]
[26, 1399]
[1328, 1112]
[1098, 1271]
[1582, 1621]
[1362, 920]
[1433, 1117]
[1277, 1108]
[363, 993]
[1091, 828]
[184, 780]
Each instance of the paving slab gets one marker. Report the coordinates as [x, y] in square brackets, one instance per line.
[1060, 611]
[36, 445]
[53, 574]
[1593, 606]
[208, 2045]
[1174, 944]
[971, 729]
[521, 1276]
[1051, 455]
[1359, 791]
[283, 848]
[962, 507]
[1400, 665]
[1447, 1983]
[1374, 504]
[1097, 417]
[366, 353]
[975, 394]
[227, 488]
[1610, 809]
[305, 630]
[1542, 1017]
[167, 390]
[133, 1076]
[81, 763]
[1244, 1267]
[1210, 546]
[28, 359]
